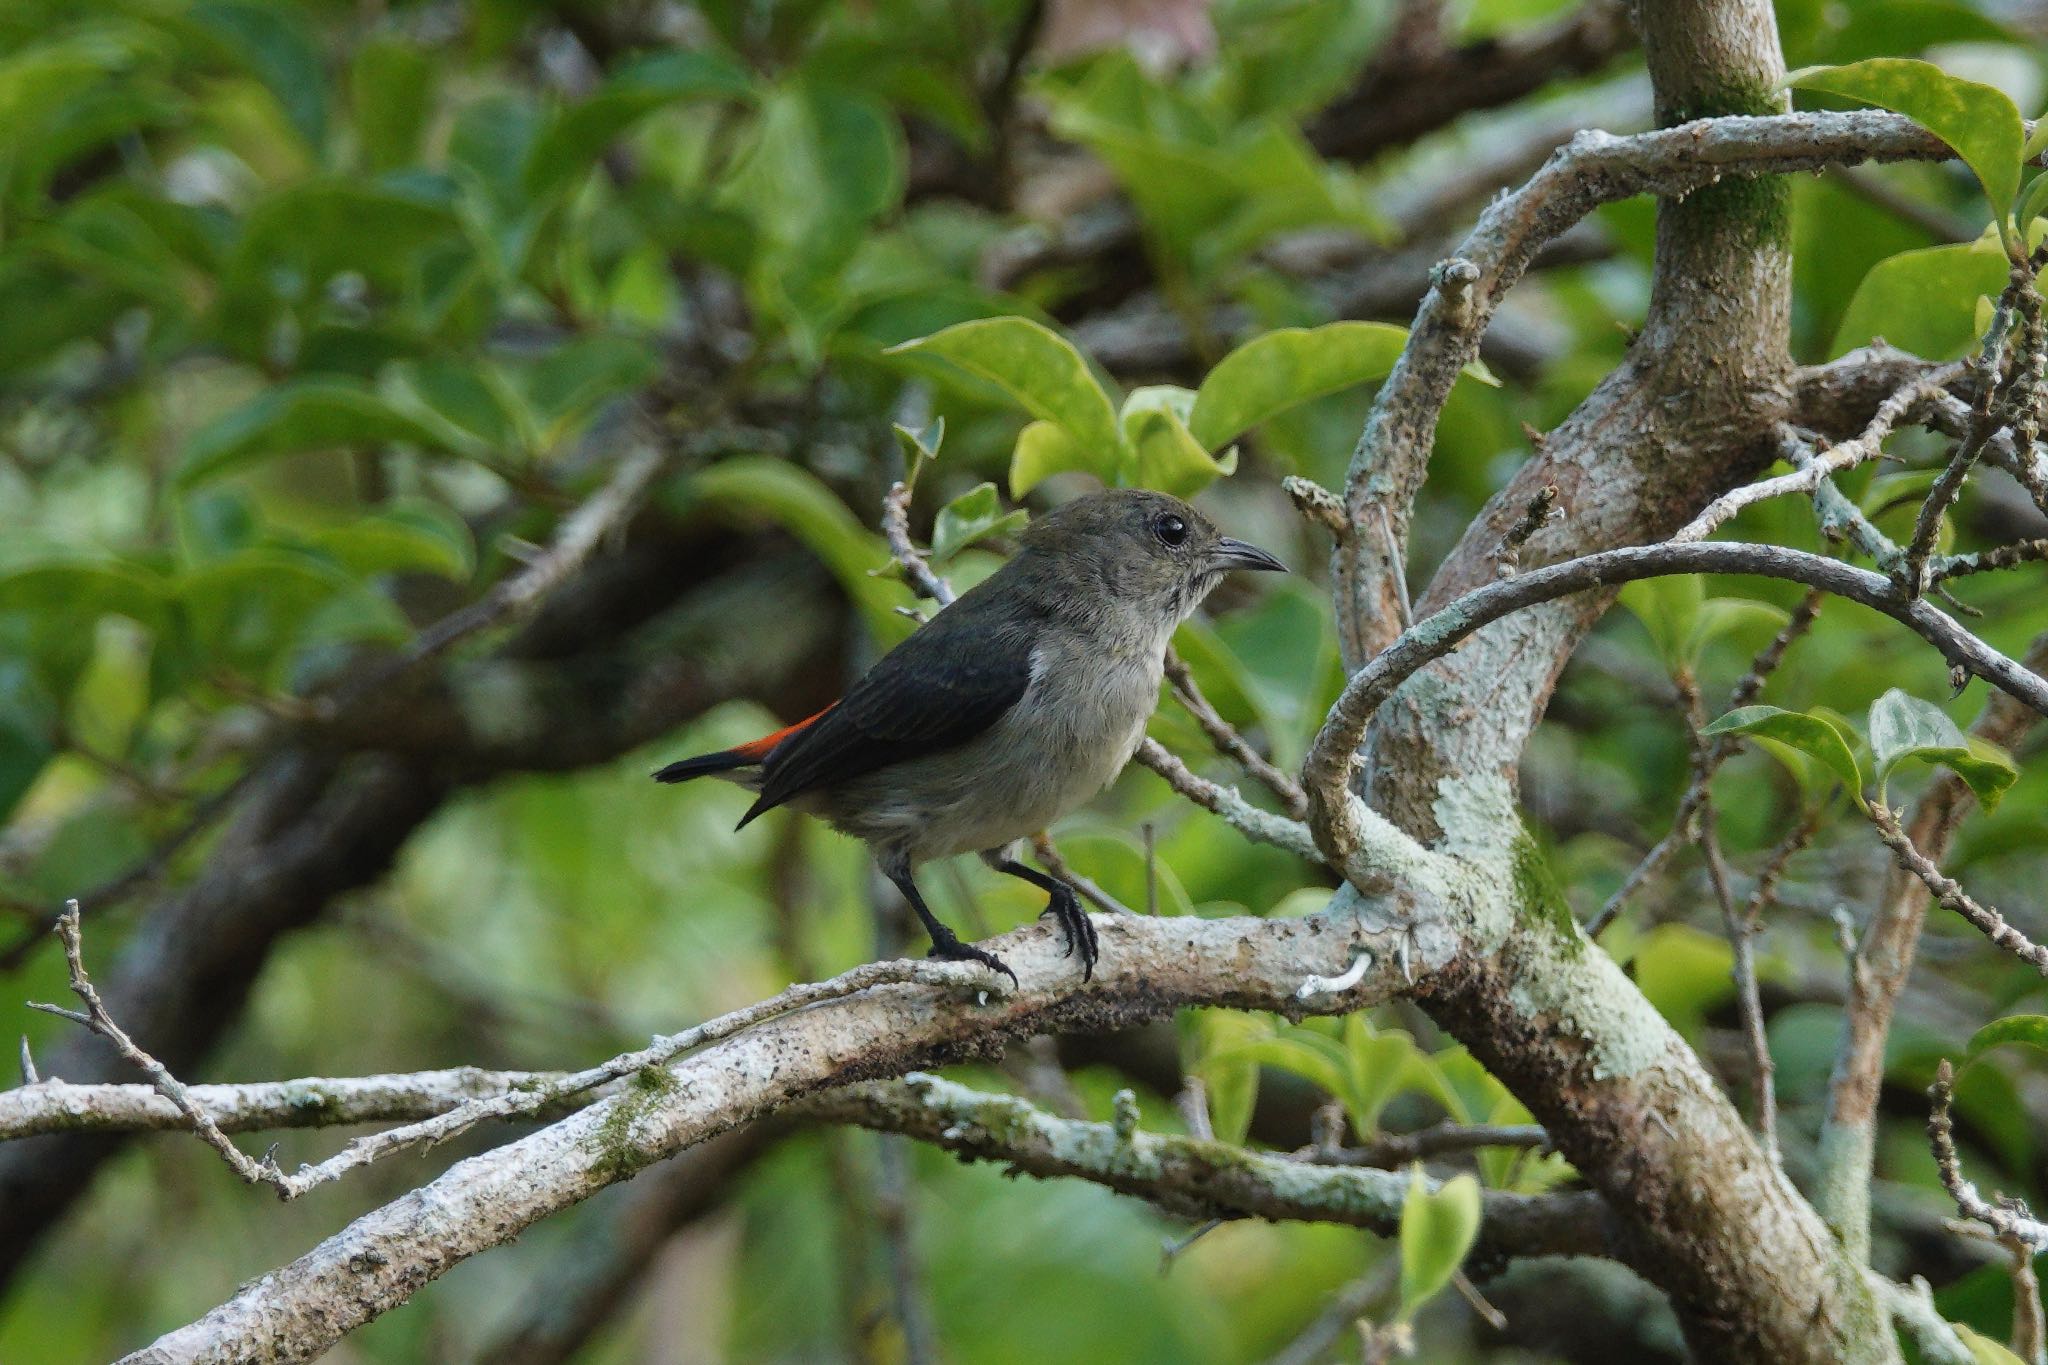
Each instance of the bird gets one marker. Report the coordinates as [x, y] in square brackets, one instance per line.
[1008, 709]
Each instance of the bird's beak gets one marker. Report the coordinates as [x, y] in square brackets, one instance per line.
[1236, 554]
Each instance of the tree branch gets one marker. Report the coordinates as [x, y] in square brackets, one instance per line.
[1149, 966]
[1197, 1177]
[1327, 768]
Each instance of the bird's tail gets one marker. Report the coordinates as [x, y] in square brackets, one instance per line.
[748, 755]
[703, 765]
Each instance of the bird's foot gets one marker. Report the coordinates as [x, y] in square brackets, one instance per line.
[951, 949]
[1065, 908]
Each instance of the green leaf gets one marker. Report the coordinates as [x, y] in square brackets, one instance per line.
[1808, 733]
[272, 43]
[920, 446]
[1437, 1228]
[796, 500]
[1924, 301]
[1720, 616]
[975, 515]
[1984, 1349]
[391, 85]
[1284, 368]
[2034, 203]
[1163, 453]
[2037, 143]
[417, 536]
[1038, 368]
[2028, 1029]
[1669, 608]
[309, 414]
[1905, 727]
[564, 385]
[1045, 449]
[571, 143]
[80, 590]
[1981, 123]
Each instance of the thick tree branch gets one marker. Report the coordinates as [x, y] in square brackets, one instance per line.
[1148, 968]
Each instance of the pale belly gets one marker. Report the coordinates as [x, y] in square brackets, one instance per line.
[1059, 746]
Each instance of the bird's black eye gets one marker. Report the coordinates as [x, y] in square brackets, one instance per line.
[1171, 529]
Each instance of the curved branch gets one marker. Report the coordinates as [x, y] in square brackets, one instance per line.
[1326, 772]
[1148, 968]
[1594, 168]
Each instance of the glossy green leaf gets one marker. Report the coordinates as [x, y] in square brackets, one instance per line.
[1046, 448]
[975, 515]
[1810, 734]
[1437, 1228]
[311, 414]
[1283, 368]
[1924, 301]
[2030, 1030]
[1038, 368]
[920, 446]
[1981, 123]
[1163, 454]
[1905, 727]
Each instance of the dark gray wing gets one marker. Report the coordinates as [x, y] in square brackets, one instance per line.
[940, 688]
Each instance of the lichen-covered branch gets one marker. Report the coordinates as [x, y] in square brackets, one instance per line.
[1594, 168]
[1148, 968]
[52, 1105]
[1194, 1176]
[1326, 771]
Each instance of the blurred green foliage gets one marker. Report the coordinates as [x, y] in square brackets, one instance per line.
[316, 313]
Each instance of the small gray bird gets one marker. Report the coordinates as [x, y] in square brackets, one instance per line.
[1008, 709]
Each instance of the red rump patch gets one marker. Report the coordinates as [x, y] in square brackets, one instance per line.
[757, 749]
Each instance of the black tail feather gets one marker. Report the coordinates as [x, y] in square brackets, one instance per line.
[724, 761]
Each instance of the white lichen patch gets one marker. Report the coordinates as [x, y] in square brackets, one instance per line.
[1586, 996]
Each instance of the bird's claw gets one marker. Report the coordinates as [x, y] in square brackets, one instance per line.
[953, 950]
[1065, 909]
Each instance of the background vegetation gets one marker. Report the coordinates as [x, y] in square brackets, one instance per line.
[316, 321]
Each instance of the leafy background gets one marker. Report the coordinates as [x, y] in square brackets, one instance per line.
[317, 314]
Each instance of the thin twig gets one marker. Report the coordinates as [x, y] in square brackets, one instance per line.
[363, 1151]
[1392, 1151]
[96, 1018]
[1255, 824]
[1055, 862]
[576, 538]
[1866, 446]
[1951, 896]
[916, 567]
[1229, 742]
[1540, 510]
[1746, 690]
[2008, 1217]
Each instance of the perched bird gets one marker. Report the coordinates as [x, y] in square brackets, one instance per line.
[1008, 709]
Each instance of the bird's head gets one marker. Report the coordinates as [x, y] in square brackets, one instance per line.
[1146, 548]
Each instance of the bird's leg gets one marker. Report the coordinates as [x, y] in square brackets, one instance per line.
[1064, 907]
[945, 943]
